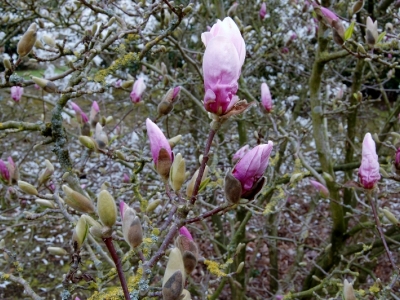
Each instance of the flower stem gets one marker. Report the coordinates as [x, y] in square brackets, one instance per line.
[379, 227]
[203, 165]
[117, 261]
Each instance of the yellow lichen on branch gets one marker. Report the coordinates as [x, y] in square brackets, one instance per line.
[116, 65]
[214, 268]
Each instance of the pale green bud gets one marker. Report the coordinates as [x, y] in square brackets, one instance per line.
[57, 251]
[49, 40]
[27, 188]
[80, 233]
[127, 84]
[46, 85]
[7, 63]
[88, 142]
[190, 185]
[153, 205]
[45, 203]
[186, 295]
[390, 216]
[177, 172]
[106, 208]
[174, 141]
[240, 267]
[78, 201]
[45, 176]
[90, 221]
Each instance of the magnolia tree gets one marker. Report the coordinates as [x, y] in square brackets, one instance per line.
[251, 149]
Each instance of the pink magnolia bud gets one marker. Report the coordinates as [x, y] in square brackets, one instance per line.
[36, 86]
[263, 10]
[175, 94]
[137, 90]
[368, 173]
[222, 63]
[126, 178]
[5, 174]
[397, 159]
[185, 232]
[118, 83]
[16, 93]
[80, 115]
[160, 149]
[266, 99]
[328, 15]
[323, 191]
[94, 114]
[240, 153]
[285, 50]
[122, 208]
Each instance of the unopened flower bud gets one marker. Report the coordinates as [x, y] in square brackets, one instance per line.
[153, 205]
[232, 188]
[239, 248]
[357, 6]
[49, 40]
[7, 63]
[177, 172]
[100, 137]
[185, 295]
[323, 191]
[27, 188]
[106, 208]
[390, 216]
[46, 85]
[190, 185]
[174, 276]
[164, 108]
[127, 84]
[174, 140]
[78, 201]
[348, 291]
[45, 203]
[173, 287]
[46, 174]
[57, 251]
[39, 45]
[240, 267]
[88, 142]
[131, 226]
[27, 41]
[80, 233]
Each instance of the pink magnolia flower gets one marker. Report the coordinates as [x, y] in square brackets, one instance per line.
[4, 173]
[266, 99]
[323, 191]
[252, 166]
[222, 63]
[16, 93]
[263, 10]
[160, 149]
[185, 232]
[80, 115]
[240, 153]
[138, 88]
[368, 173]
